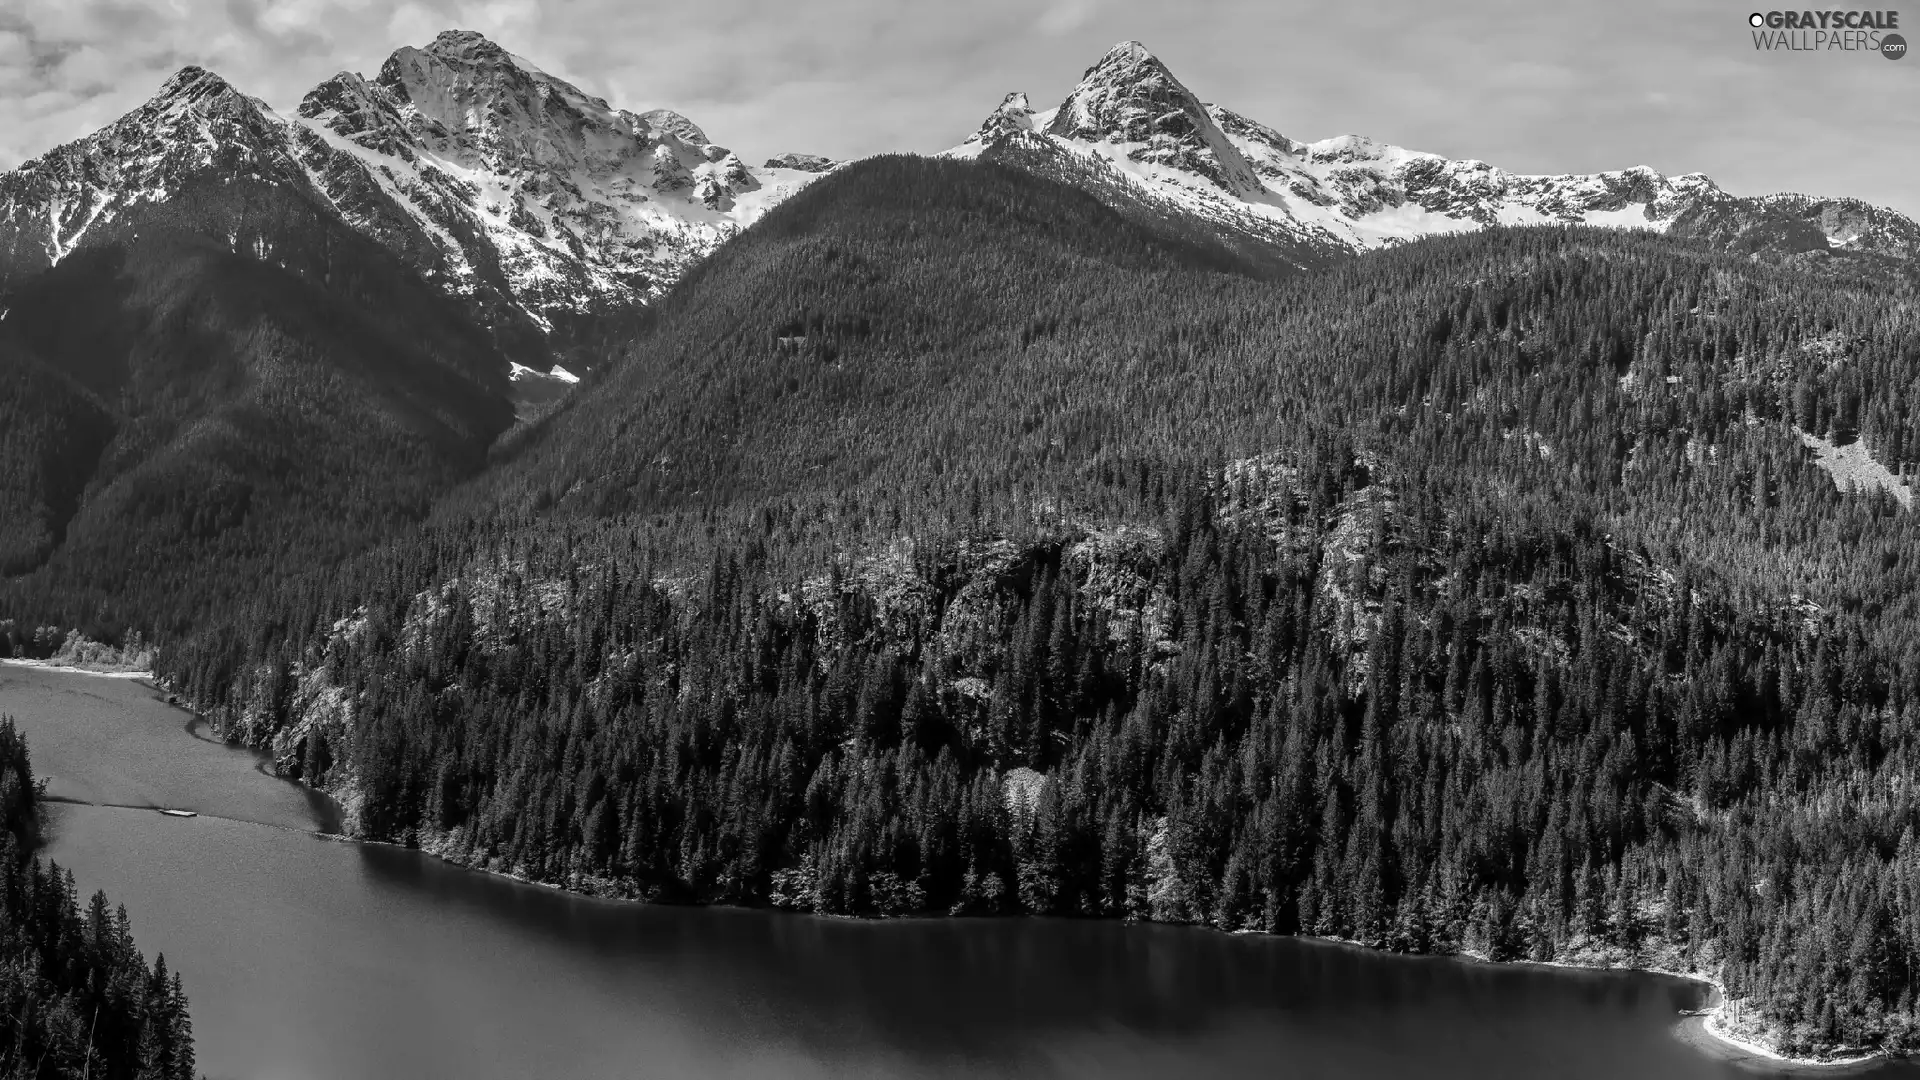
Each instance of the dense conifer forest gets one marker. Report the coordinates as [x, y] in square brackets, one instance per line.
[234, 391]
[951, 542]
[79, 998]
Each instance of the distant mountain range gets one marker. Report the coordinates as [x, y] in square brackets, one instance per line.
[554, 216]
[1132, 131]
[538, 205]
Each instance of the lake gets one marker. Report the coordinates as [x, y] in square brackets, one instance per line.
[308, 958]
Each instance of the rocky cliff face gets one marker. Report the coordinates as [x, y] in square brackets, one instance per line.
[1132, 132]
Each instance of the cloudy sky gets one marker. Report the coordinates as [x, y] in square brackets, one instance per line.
[1531, 88]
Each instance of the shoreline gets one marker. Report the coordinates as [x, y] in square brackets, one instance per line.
[69, 669]
[1733, 1046]
[1705, 1031]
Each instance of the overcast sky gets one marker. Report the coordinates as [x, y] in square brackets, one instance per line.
[1530, 88]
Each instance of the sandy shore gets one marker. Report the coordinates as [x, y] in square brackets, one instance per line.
[68, 669]
[1707, 1032]
[1716, 1039]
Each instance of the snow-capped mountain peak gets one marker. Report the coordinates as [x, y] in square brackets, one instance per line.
[668, 122]
[196, 125]
[1130, 100]
[193, 88]
[468, 98]
[192, 97]
[1132, 132]
[581, 206]
[1013, 115]
[471, 46]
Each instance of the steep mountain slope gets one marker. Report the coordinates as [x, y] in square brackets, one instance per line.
[846, 343]
[221, 383]
[851, 302]
[51, 435]
[1133, 131]
[549, 214]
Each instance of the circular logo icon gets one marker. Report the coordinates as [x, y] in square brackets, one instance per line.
[1893, 46]
[1756, 19]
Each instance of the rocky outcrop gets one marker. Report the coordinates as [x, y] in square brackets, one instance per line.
[812, 163]
[1013, 116]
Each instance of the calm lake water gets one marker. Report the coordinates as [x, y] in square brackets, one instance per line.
[307, 959]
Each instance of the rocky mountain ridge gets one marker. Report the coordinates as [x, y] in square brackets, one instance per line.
[554, 216]
[1131, 129]
[538, 205]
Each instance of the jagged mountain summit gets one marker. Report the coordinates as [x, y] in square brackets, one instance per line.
[578, 204]
[538, 205]
[1133, 133]
[195, 127]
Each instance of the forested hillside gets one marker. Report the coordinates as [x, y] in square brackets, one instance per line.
[51, 437]
[948, 543]
[787, 361]
[187, 409]
[80, 999]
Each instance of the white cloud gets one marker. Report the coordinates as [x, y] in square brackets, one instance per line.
[14, 50]
[1065, 15]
